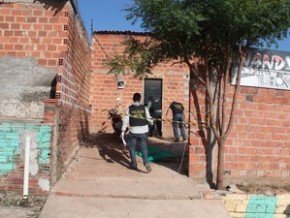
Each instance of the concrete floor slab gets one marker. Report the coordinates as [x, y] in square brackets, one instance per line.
[84, 207]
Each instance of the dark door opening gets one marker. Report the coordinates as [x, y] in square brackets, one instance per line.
[153, 87]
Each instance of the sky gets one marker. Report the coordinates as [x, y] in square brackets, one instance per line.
[106, 15]
[110, 15]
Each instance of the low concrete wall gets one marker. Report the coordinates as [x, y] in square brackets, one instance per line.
[257, 206]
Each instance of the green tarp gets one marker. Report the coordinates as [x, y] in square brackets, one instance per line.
[156, 154]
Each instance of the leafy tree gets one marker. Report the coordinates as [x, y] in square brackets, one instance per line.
[205, 35]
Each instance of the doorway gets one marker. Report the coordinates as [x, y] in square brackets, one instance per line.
[160, 149]
[153, 87]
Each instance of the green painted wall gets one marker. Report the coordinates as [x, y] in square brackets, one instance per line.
[10, 143]
[261, 206]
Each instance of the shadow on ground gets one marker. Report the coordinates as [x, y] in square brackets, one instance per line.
[163, 152]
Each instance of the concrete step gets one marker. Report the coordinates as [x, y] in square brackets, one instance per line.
[80, 207]
[139, 188]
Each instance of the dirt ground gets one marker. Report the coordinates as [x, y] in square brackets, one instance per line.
[273, 189]
[180, 163]
[177, 152]
[31, 207]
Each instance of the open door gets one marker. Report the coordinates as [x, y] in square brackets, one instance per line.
[153, 87]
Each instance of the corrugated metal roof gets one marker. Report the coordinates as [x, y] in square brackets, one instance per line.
[127, 32]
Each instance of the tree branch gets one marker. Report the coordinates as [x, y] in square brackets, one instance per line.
[237, 90]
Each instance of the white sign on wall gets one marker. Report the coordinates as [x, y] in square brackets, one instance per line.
[264, 68]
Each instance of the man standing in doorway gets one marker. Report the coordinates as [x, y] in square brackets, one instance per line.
[137, 117]
[155, 111]
[178, 120]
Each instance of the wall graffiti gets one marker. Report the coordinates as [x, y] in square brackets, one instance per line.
[264, 68]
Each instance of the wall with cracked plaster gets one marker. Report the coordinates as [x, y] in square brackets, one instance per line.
[24, 87]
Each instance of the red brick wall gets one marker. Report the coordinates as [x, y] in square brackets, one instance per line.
[72, 88]
[259, 144]
[31, 30]
[54, 35]
[106, 95]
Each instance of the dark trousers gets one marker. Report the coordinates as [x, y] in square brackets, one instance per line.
[157, 124]
[178, 122]
[141, 139]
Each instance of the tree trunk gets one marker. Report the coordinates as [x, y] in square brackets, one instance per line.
[221, 166]
[211, 140]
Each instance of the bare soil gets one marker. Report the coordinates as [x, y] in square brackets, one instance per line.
[34, 203]
[253, 188]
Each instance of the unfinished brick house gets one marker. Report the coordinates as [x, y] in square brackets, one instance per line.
[259, 144]
[169, 82]
[45, 66]
[56, 90]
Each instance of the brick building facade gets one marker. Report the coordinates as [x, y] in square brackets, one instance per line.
[48, 36]
[174, 80]
[259, 144]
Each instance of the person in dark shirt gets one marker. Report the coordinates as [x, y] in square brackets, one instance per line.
[137, 117]
[155, 111]
[178, 120]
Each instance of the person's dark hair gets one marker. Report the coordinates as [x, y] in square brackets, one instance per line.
[136, 97]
